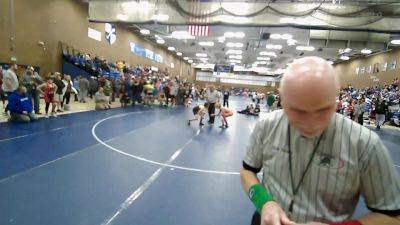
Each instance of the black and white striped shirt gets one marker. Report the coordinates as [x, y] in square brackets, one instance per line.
[350, 161]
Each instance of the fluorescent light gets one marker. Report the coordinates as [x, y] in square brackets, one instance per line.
[171, 48]
[291, 42]
[160, 17]
[305, 48]
[160, 41]
[230, 34]
[273, 54]
[286, 36]
[233, 19]
[239, 35]
[182, 35]
[344, 57]
[179, 53]
[185, 58]
[206, 43]
[235, 57]
[234, 52]
[263, 58]
[144, 31]
[221, 39]
[201, 54]
[234, 45]
[190, 61]
[395, 42]
[366, 51]
[275, 36]
[270, 46]
[122, 16]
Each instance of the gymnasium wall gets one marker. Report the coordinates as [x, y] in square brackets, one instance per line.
[55, 21]
[367, 76]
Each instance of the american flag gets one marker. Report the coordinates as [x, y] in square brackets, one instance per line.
[198, 30]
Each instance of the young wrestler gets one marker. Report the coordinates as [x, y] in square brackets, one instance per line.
[224, 112]
[49, 90]
[199, 112]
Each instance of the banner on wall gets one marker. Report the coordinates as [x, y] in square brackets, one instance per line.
[158, 58]
[110, 33]
[149, 54]
[142, 51]
[94, 34]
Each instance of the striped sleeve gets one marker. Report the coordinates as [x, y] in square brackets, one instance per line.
[254, 154]
[380, 183]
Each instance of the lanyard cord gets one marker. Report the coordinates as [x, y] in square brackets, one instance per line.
[296, 189]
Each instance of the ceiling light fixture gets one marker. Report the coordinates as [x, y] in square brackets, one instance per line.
[160, 17]
[144, 31]
[344, 57]
[270, 46]
[122, 17]
[275, 36]
[233, 19]
[234, 34]
[179, 53]
[171, 48]
[206, 43]
[181, 35]
[264, 58]
[395, 41]
[234, 45]
[366, 51]
[286, 36]
[273, 54]
[234, 52]
[160, 41]
[190, 61]
[185, 58]
[305, 48]
[201, 54]
[291, 42]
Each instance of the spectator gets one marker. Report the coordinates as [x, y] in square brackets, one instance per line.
[68, 89]
[101, 100]
[31, 80]
[93, 86]
[59, 93]
[83, 87]
[2, 95]
[226, 98]
[20, 105]
[10, 82]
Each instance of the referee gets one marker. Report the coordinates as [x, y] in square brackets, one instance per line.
[212, 96]
[316, 163]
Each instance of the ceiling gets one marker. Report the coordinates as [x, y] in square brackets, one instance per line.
[328, 26]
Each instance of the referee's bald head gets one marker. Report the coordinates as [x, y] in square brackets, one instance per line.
[308, 91]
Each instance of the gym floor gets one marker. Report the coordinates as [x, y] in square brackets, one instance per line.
[138, 165]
